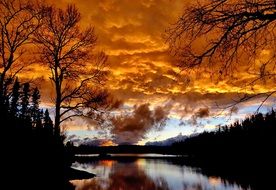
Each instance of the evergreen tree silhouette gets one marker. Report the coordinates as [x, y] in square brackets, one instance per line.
[25, 96]
[33, 142]
[253, 138]
[36, 114]
[48, 123]
[15, 98]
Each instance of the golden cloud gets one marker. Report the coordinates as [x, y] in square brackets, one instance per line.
[140, 68]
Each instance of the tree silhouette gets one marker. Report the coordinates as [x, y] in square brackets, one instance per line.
[37, 123]
[34, 107]
[18, 21]
[66, 49]
[14, 98]
[25, 96]
[48, 123]
[252, 137]
[223, 34]
[32, 138]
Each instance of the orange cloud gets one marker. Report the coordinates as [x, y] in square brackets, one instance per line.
[141, 70]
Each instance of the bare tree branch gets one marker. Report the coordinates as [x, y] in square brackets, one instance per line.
[68, 52]
[225, 36]
[18, 21]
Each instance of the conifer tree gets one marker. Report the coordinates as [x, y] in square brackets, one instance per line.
[14, 98]
[34, 109]
[25, 96]
[48, 123]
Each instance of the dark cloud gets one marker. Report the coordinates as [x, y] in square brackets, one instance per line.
[197, 116]
[130, 128]
[234, 110]
[77, 141]
[202, 113]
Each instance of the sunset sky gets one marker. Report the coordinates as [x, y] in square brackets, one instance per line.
[144, 76]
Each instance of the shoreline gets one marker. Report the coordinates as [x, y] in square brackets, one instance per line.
[75, 174]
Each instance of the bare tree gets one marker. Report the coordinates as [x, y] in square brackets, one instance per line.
[226, 35]
[76, 73]
[18, 21]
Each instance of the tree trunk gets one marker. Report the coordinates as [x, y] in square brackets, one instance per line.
[58, 101]
[2, 80]
[57, 116]
[57, 119]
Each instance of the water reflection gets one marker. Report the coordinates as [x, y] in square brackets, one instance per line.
[146, 174]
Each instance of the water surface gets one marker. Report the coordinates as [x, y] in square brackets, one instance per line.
[147, 174]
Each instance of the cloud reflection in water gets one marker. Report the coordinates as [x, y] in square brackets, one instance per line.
[146, 174]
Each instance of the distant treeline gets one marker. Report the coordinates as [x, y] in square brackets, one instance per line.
[33, 157]
[121, 149]
[243, 152]
[254, 136]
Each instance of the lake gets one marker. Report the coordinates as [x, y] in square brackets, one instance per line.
[147, 173]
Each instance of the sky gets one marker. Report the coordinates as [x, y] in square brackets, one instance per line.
[145, 77]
